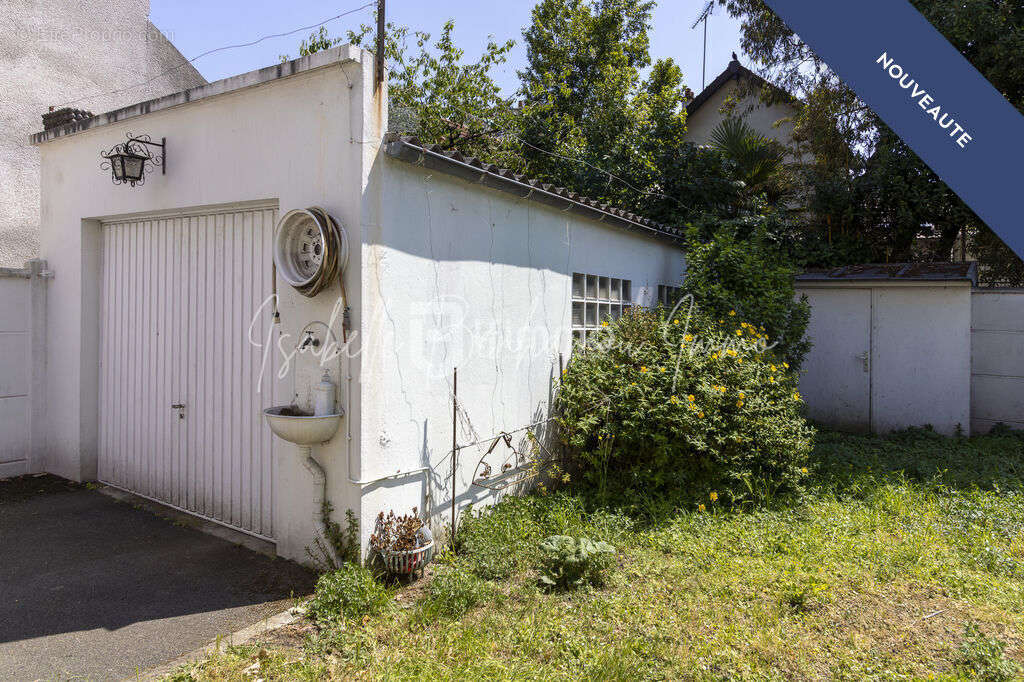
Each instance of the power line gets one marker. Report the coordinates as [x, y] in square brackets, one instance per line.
[608, 174]
[220, 49]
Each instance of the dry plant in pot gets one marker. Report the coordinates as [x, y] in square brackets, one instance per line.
[404, 542]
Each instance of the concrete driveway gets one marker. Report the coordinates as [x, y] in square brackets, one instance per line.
[97, 589]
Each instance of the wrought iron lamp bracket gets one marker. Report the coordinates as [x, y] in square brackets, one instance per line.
[139, 147]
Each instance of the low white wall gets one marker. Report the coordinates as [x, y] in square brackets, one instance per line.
[22, 368]
[460, 275]
[997, 358]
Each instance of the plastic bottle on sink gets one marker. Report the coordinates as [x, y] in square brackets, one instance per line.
[323, 396]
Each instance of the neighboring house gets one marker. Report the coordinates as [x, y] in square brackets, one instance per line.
[54, 52]
[737, 92]
[161, 347]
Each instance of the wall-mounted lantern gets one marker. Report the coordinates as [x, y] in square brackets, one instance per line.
[127, 161]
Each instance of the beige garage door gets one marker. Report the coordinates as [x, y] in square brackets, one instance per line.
[180, 418]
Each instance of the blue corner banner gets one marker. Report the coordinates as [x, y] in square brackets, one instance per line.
[929, 94]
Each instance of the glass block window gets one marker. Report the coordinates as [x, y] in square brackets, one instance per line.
[668, 295]
[597, 299]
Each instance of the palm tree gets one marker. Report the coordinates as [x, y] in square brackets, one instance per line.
[760, 160]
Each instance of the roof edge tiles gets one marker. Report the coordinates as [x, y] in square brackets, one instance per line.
[895, 272]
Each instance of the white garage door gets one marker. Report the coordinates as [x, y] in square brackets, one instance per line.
[178, 296]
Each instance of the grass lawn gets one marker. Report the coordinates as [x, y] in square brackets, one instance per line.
[905, 560]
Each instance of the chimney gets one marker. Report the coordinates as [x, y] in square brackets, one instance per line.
[62, 117]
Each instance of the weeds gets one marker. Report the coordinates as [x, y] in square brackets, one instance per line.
[984, 658]
[349, 592]
[338, 546]
[568, 562]
[897, 542]
[453, 591]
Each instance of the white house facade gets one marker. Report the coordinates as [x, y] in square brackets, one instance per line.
[737, 92]
[162, 346]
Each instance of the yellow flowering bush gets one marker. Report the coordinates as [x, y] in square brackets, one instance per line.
[734, 272]
[723, 416]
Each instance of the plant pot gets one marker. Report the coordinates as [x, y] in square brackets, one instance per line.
[405, 562]
[408, 561]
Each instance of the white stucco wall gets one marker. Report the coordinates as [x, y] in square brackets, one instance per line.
[919, 355]
[460, 275]
[305, 140]
[763, 118]
[428, 251]
[55, 51]
[997, 358]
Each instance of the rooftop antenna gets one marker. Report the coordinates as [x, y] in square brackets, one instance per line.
[704, 14]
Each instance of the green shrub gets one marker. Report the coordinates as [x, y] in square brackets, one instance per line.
[693, 407]
[733, 266]
[349, 592]
[984, 658]
[453, 591]
[568, 563]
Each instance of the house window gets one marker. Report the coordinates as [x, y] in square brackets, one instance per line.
[597, 299]
[668, 295]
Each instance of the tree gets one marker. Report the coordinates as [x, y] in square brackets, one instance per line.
[582, 73]
[760, 160]
[453, 103]
[862, 172]
[586, 120]
[685, 181]
[589, 122]
[457, 105]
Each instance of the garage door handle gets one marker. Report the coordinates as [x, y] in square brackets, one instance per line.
[180, 407]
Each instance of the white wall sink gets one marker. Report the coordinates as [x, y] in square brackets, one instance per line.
[288, 423]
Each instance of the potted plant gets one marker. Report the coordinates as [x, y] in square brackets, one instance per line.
[405, 544]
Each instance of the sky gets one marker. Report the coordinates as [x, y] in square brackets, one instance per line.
[195, 26]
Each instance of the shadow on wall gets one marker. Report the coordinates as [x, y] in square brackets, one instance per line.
[460, 275]
[491, 468]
